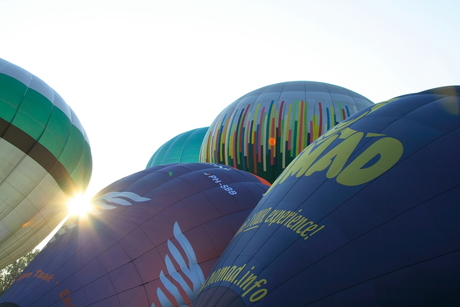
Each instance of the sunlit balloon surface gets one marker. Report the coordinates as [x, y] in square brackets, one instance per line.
[151, 240]
[45, 159]
[367, 215]
[264, 130]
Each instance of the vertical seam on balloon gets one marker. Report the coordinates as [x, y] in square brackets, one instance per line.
[243, 138]
[301, 127]
[238, 135]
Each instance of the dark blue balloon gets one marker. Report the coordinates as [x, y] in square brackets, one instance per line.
[153, 238]
[367, 215]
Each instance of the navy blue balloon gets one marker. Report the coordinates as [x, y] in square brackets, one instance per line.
[152, 240]
[367, 215]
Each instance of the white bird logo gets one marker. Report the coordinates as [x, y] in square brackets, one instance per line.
[119, 198]
[190, 268]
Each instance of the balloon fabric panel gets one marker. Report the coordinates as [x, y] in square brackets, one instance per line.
[183, 148]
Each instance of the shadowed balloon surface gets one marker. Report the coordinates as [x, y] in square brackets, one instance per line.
[367, 215]
[152, 240]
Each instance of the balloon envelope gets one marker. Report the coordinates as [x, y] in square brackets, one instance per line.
[45, 158]
[156, 237]
[264, 130]
[367, 215]
[183, 148]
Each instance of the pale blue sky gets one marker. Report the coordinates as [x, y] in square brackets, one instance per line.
[139, 72]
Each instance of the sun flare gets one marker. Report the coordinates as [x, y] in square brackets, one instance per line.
[80, 205]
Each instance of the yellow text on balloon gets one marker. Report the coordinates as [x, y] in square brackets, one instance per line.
[388, 150]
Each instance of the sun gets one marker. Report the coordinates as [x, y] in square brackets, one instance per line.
[80, 205]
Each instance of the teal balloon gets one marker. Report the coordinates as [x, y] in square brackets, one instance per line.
[183, 148]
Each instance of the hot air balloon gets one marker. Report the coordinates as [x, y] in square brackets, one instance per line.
[264, 130]
[152, 240]
[183, 148]
[45, 159]
[367, 215]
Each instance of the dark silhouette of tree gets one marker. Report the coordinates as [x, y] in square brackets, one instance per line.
[9, 273]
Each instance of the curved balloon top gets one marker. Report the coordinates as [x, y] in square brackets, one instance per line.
[45, 158]
[152, 240]
[264, 130]
[183, 148]
[367, 215]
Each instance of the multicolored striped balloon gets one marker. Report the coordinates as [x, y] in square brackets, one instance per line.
[264, 130]
[45, 158]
